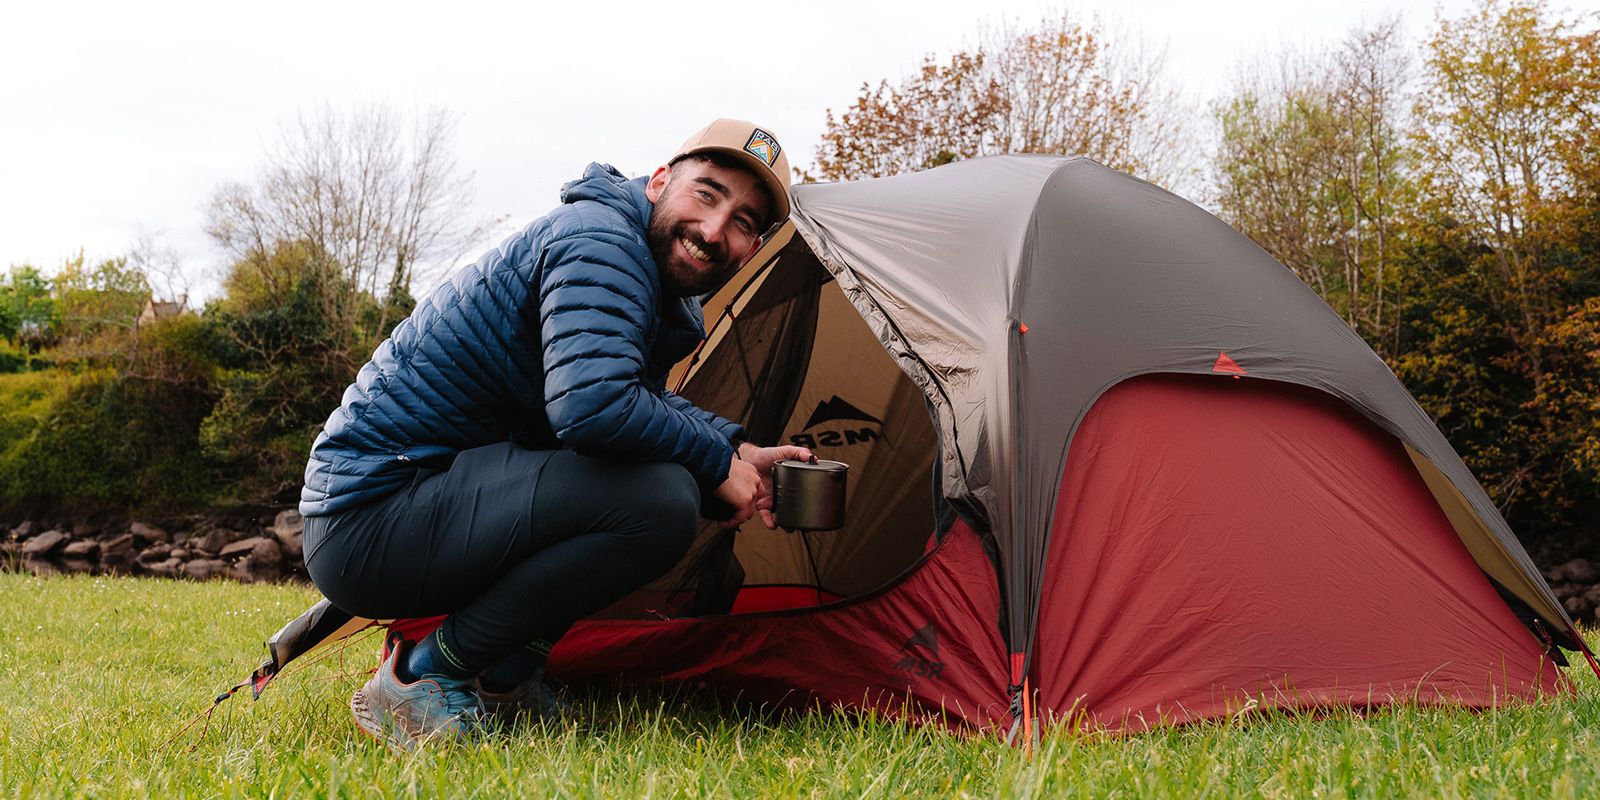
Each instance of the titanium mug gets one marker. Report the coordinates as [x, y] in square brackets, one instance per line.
[809, 496]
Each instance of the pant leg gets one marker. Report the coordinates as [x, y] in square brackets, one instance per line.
[513, 545]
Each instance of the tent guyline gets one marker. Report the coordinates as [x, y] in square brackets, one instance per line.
[1184, 489]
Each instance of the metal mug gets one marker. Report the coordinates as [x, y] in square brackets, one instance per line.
[809, 496]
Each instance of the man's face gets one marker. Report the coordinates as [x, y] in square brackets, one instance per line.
[707, 222]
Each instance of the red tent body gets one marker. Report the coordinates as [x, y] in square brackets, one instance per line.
[1112, 466]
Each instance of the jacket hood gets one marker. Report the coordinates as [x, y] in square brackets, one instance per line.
[602, 183]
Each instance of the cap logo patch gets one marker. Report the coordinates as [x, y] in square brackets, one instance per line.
[763, 146]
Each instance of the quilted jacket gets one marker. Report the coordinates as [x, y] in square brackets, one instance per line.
[560, 338]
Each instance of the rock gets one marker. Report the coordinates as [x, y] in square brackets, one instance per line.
[40, 566]
[166, 569]
[1592, 596]
[1577, 606]
[290, 527]
[156, 552]
[1578, 570]
[83, 548]
[266, 551]
[239, 548]
[23, 531]
[83, 530]
[76, 566]
[1566, 590]
[148, 532]
[204, 568]
[179, 553]
[212, 542]
[179, 538]
[43, 543]
[118, 555]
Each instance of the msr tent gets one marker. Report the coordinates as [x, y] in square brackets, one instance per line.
[1167, 481]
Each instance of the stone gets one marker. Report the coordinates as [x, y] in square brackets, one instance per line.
[211, 543]
[166, 569]
[1578, 570]
[81, 529]
[290, 528]
[42, 544]
[1592, 596]
[83, 548]
[156, 552]
[1566, 590]
[76, 566]
[240, 548]
[23, 531]
[148, 532]
[40, 566]
[1577, 606]
[204, 568]
[179, 553]
[118, 554]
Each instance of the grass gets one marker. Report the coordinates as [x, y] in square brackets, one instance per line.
[96, 674]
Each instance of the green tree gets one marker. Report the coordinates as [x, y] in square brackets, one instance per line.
[1312, 167]
[27, 307]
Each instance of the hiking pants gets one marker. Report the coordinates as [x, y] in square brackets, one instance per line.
[513, 545]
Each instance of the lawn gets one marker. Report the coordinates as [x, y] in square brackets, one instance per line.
[97, 674]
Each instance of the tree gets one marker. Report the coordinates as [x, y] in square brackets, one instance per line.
[1060, 87]
[374, 207]
[27, 309]
[1311, 165]
[1501, 324]
[93, 299]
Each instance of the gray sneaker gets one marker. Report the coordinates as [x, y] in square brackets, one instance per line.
[434, 709]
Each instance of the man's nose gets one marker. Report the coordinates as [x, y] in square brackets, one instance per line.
[715, 226]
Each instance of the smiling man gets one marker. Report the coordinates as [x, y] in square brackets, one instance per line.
[510, 457]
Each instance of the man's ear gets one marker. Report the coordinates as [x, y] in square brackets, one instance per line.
[658, 182]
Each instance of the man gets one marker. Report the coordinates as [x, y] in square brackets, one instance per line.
[510, 457]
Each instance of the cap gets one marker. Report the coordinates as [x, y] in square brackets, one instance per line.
[756, 147]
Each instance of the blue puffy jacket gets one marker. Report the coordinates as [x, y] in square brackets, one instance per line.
[561, 338]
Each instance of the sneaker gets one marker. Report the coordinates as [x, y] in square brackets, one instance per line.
[404, 715]
[531, 701]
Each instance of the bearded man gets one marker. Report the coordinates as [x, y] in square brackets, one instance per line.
[510, 457]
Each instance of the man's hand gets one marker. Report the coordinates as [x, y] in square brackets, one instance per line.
[762, 458]
[741, 490]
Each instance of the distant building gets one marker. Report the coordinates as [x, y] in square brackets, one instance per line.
[155, 310]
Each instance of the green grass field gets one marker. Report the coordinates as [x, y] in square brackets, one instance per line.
[96, 674]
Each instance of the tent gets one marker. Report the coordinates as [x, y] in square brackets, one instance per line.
[1112, 466]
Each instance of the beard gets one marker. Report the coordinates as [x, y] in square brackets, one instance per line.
[680, 276]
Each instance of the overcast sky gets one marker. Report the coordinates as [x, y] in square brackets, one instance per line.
[118, 118]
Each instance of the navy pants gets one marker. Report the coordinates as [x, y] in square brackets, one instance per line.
[513, 545]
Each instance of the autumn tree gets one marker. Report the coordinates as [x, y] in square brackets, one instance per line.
[1311, 165]
[1060, 87]
[1501, 326]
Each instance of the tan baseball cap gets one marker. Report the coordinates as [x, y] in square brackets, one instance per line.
[757, 147]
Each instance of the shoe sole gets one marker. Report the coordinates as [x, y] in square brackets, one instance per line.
[372, 725]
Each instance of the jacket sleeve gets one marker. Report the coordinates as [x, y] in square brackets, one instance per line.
[732, 430]
[595, 307]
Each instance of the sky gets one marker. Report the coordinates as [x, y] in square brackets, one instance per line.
[119, 120]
